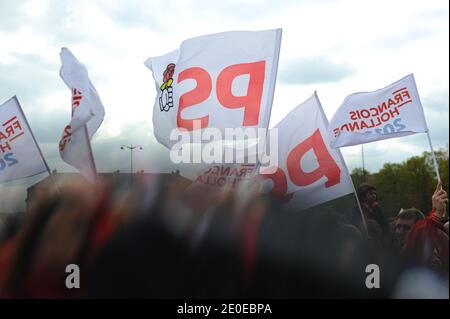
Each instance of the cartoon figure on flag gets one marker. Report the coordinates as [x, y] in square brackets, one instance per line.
[166, 98]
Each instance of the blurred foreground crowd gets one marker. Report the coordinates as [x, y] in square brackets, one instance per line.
[167, 238]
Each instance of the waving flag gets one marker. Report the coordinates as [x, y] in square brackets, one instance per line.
[20, 155]
[87, 115]
[390, 112]
[309, 172]
[222, 80]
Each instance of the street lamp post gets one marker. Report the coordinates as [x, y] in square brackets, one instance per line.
[131, 147]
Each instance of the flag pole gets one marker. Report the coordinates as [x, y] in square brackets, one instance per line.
[90, 152]
[363, 166]
[346, 170]
[433, 155]
[37, 145]
[359, 206]
[435, 164]
[355, 193]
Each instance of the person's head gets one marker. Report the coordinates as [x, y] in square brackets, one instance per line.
[367, 194]
[406, 218]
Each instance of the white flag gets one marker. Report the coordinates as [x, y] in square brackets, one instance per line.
[390, 112]
[223, 80]
[309, 172]
[87, 115]
[20, 155]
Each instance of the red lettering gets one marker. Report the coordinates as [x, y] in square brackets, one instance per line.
[345, 126]
[372, 122]
[390, 103]
[374, 111]
[9, 130]
[352, 115]
[65, 138]
[398, 98]
[16, 125]
[215, 170]
[365, 113]
[279, 188]
[250, 102]
[199, 179]
[336, 132]
[394, 112]
[62, 144]
[363, 125]
[199, 94]
[5, 147]
[76, 99]
[327, 166]
[354, 126]
[385, 117]
[382, 107]
[225, 170]
[406, 94]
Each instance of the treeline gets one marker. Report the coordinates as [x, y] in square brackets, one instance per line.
[405, 185]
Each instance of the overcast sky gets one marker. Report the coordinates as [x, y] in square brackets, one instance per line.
[334, 47]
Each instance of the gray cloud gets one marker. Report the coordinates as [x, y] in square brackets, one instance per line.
[110, 157]
[157, 16]
[417, 33]
[310, 70]
[420, 29]
[436, 108]
[49, 129]
[437, 101]
[62, 22]
[168, 17]
[29, 77]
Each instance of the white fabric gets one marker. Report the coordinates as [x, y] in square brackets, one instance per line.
[390, 112]
[20, 156]
[87, 115]
[213, 59]
[318, 174]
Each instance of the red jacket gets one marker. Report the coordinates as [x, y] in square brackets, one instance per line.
[427, 244]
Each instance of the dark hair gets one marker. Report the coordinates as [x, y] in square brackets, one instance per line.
[363, 190]
[411, 214]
